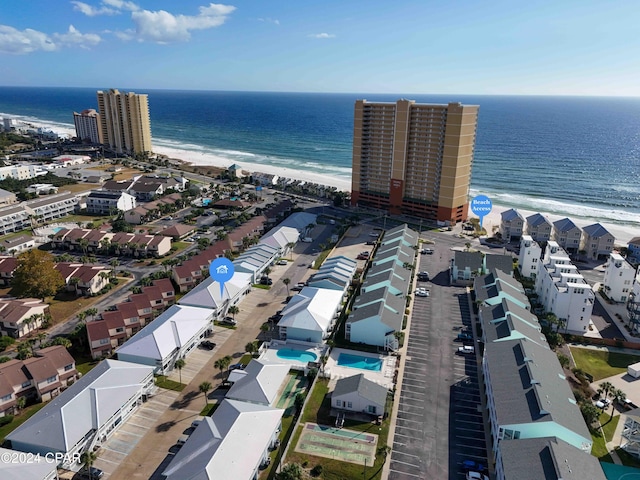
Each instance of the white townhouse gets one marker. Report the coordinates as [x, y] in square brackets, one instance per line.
[282, 238]
[259, 382]
[171, 336]
[207, 294]
[563, 291]
[511, 225]
[21, 172]
[232, 444]
[255, 260]
[87, 413]
[108, 203]
[567, 234]
[618, 278]
[539, 227]
[596, 241]
[530, 256]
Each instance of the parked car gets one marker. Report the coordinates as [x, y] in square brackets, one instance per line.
[198, 420]
[92, 472]
[207, 345]
[371, 242]
[282, 262]
[473, 466]
[465, 336]
[422, 292]
[373, 234]
[237, 366]
[423, 276]
[467, 350]
[475, 476]
[182, 440]
[426, 251]
[307, 240]
[266, 281]
[603, 403]
[229, 321]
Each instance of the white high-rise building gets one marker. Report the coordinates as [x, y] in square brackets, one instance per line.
[530, 257]
[618, 278]
[88, 127]
[563, 291]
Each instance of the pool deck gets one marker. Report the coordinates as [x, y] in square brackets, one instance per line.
[383, 377]
[271, 354]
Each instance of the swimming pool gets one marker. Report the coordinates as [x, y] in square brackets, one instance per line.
[206, 201]
[359, 361]
[300, 355]
[57, 229]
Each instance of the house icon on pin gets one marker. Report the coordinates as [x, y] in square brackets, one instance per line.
[222, 270]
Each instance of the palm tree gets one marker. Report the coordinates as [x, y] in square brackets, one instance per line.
[233, 310]
[266, 272]
[618, 396]
[82, 316]
[290, 246]
[179, 364]
[114, 263]
[286, 282]
[251, 348]
[222, 363]
[204, 387]
[606, 388]
[92, 311]
[87, 458]
[383, 451]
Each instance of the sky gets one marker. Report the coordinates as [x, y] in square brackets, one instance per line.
[492, 47]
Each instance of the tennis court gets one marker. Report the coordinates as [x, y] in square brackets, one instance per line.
[339, 444]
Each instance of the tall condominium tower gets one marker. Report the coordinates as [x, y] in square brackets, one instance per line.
[88, 125]
[124, 119]
[414, 158]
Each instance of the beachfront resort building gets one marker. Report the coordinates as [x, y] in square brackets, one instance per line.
[567, 234]
[539, 227]
[596, 242]
[88, 126]
[125, 126]
[511, 225]
[529, 258]
[414, 158]
[563, 291]
[618, 278]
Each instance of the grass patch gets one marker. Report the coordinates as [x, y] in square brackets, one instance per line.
[263, 287]
[180, 245]
[604, 435]
[224, 325]
[26, 413]
[246, 358]
[321, 258]
[163, 382]
[84, 363]
[208, 410]
[602, 364]
[608, 425]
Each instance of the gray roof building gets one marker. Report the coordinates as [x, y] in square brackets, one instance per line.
[362, 386]
[496, 285]
[260, 384]
[508, 321]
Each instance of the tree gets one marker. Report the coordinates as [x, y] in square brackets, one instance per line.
[204, 387]
[299, 401]
[383, 451]
[290, 246]
[21, 402]
[286, 282]
[36, 276]
[590, 413]
[87, 458]
[233, 310]
[619, 397]
[606, 388]
[564, 360]
[64, 341]
[91, 312]
[251, 347]
[179, 364]
[222, 363]
[266, 272]
[291, 471]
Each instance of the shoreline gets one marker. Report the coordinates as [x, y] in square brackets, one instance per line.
[621, 231]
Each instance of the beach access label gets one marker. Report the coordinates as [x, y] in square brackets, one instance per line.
[481, 206]
[221, 271]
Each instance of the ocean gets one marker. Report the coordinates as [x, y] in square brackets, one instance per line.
[574, 156]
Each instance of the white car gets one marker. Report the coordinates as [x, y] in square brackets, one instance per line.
[422, 292]
[467, 350]
[282, 262]
[475, 476]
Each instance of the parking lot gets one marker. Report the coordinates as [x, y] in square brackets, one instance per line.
[438, 420]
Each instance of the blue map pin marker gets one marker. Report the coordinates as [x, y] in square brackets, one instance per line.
[481, 206]
[221, 270]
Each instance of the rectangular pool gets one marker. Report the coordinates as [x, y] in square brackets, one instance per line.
[359, 361]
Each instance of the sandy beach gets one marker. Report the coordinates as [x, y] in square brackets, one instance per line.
[622, 233]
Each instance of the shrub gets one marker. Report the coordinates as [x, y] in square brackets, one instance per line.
[6, 420]
[316, 471]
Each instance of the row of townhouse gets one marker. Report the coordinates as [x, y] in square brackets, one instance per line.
[47, 209]
[594, 239]
[465, 266]
[120, 243]
[21, 316]
[21, 172]
[561, 288]
[84, 280]
[153, 210]
[109, 203]
[116, 326]
[537, 429]
[378, 312]
[7, 267]
[146, 188]
[39, 378]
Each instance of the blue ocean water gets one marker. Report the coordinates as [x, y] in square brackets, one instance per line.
[578, 156]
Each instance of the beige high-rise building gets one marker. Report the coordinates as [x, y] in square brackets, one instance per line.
[124, 121]
[414, 158]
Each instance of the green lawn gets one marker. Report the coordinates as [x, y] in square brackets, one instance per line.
[85, 363]
[164, 382]
[209, 408]
[599, 449]
[602, 364]
[19, 420]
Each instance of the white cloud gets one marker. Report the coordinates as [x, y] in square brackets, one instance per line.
[74, 38]
[91, 11]
[322, 35]
[122, 5]
[20, 42]
[275, 21]
[125, 35]
[164, 27]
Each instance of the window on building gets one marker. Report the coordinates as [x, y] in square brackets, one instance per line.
[26, 384]
[349, 405]
[6, 398]
[104, 341]
[51, 379]
[338, 403]
[68, 367]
